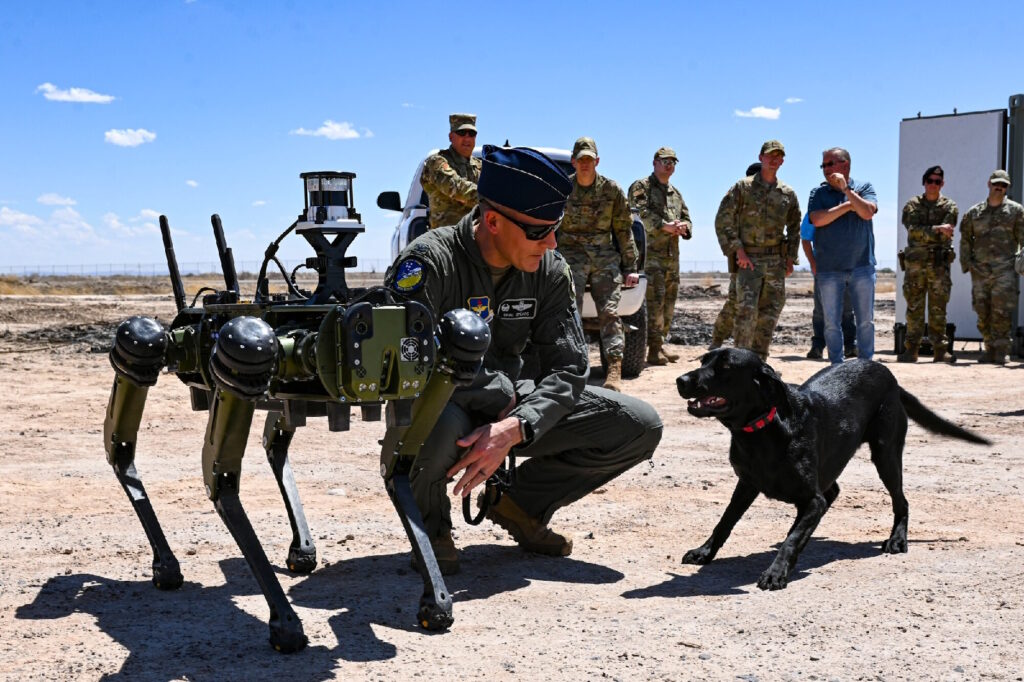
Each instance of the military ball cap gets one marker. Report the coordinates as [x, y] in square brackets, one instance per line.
[462, 122]
[773, 146]
[523, 180]
[666, 153]
[1000, 176]
[585, 146]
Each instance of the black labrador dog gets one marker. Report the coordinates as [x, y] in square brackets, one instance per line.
[791, 443]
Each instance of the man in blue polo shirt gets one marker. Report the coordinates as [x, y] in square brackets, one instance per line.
[841, 210]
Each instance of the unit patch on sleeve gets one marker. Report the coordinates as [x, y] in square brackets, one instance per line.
[408, 276]
[517, 309]
[481, 305]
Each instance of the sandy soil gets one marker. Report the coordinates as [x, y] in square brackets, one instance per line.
[76, 602]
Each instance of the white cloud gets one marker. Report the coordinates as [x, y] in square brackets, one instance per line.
[20, 222]
[334, 131]
[132, 227]
[129, 138]
[191, 183]
[410, 105]
[54, 199]
[794, 100]
[68, 224]
[55, 94]
[259, 202]
[759, 112]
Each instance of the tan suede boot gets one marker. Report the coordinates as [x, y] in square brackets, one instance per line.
[908, 355]
[530, 533]
[668, 355]
[654, 356]
[613, 378]
[445, 553]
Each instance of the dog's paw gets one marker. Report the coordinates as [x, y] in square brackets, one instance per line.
[897, 544]
[699, 556]
[773, 580]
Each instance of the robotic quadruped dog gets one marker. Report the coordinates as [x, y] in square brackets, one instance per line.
[296, 355]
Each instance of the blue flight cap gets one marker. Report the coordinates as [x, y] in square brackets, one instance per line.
[523, 180]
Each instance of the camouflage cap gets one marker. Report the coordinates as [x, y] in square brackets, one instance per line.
[462, 122]
[773, 146]
[666, 153]
[1000, 176]
[585, 146]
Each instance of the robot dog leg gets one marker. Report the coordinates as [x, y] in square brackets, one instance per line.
[137, 357]
[464, 338]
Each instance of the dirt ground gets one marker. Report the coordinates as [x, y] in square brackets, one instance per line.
[76, 601]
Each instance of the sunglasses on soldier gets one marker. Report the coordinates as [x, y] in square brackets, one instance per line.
[466, 133]
[933, 181]
[533, 232]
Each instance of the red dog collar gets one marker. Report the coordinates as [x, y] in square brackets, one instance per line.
[760, 422]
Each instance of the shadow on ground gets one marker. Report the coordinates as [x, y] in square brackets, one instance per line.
[738, 574]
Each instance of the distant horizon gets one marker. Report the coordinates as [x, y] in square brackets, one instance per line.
[193, 107]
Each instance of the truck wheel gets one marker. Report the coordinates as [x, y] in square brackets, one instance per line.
[634, 355]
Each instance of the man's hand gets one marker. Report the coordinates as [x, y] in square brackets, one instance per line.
[670, 227]
[945, 229]
[488, 448]
[632, 279]
[789, 267]
[743, 261]
[837, 181]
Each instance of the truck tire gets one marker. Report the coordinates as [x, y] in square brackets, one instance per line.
[634, 355]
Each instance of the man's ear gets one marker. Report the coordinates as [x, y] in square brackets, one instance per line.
[489, 220]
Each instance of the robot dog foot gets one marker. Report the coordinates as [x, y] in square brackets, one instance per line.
[286, 635]
[434, 616]
[301, 560]
[167, 574]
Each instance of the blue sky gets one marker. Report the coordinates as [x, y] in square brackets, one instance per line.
[114, 112]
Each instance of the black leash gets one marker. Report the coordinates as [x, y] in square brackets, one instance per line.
[500, 481]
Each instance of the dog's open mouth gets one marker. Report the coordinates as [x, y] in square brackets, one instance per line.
[707, 406]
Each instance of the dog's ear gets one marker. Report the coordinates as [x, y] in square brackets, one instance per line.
[772, 387]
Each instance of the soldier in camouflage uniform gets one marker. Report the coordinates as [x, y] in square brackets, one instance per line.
[449, 177]
[990, 234]
[726, 319]
[595, 214]
[930, 220]
[758, 223]
[666, 219]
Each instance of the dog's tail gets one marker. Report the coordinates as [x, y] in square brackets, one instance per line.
[934, 423]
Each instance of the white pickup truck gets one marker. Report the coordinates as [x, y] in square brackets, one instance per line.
[632, 306]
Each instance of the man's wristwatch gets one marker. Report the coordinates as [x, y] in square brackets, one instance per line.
[525, 431]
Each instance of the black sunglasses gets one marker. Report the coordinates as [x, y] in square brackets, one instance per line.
[466, 133]
[533, 232]
[933, 181]
[829, 164]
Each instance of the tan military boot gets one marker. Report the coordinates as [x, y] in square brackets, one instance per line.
[613, 378]
[445, 552]
[940, 355]
[530, 533]
[654, 356]
[671, 357]
[988, 357]
[908, 355]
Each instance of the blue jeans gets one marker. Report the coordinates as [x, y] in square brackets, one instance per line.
[818, 322]
[860, 283]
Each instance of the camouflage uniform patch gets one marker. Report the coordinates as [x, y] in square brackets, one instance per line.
[764, 220]
[989, 238]
[927, 280]
[658, 204]
[449, 180]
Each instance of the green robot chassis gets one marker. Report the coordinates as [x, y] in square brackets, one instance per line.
[295, 355]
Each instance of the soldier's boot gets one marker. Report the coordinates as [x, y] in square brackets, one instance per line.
[716, 343]
[999, 355]
[654, 356]
[908, 355]
[988, 357]
[940, 354]
[613, 377]
[668, 355]
[445, 552]
[530, 533]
